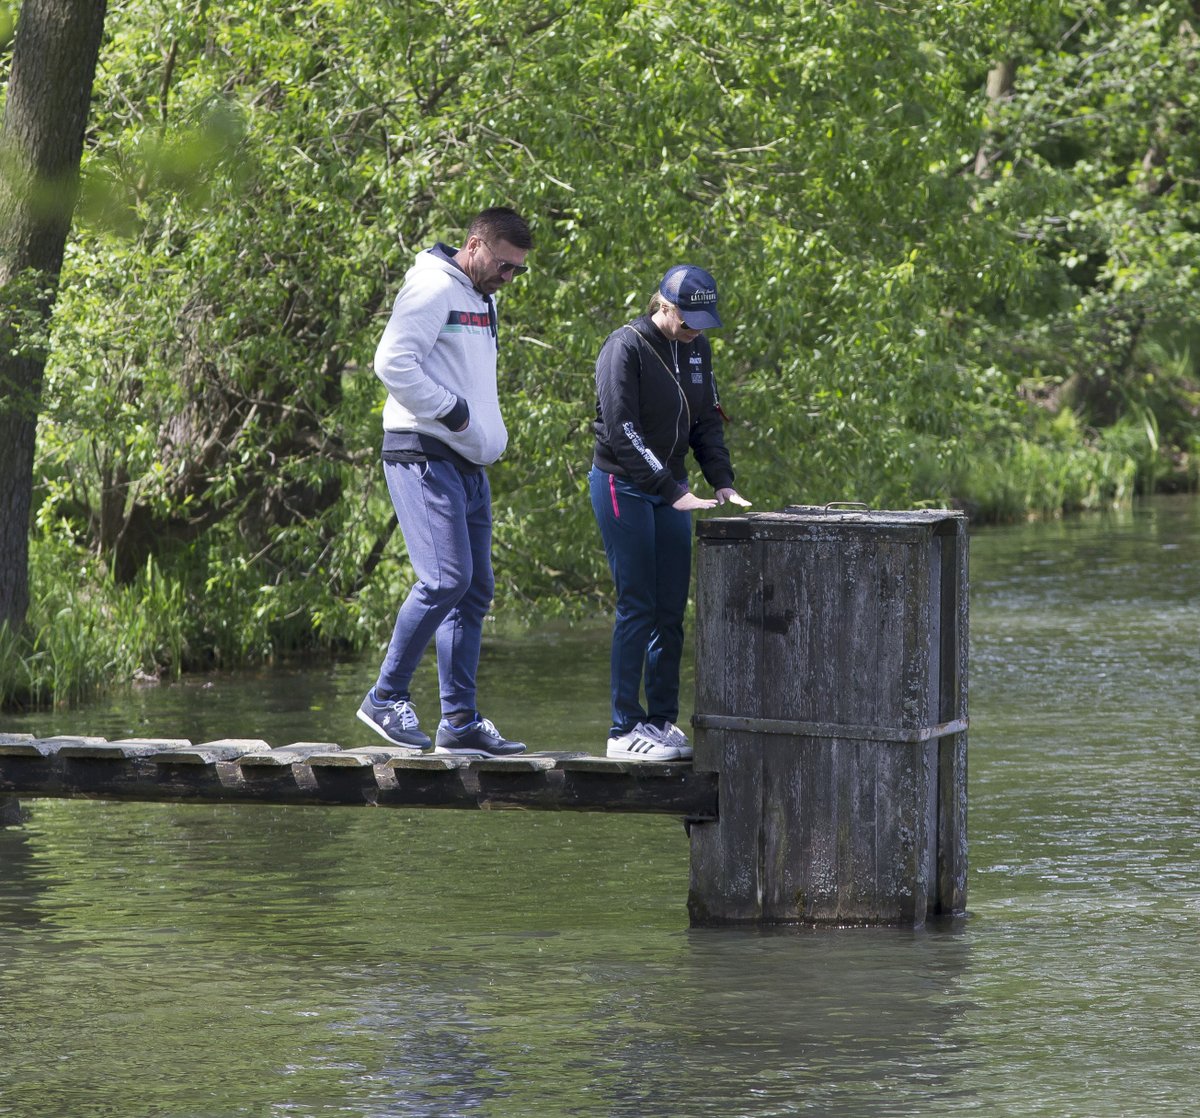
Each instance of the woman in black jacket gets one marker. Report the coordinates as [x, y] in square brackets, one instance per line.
[656, 399]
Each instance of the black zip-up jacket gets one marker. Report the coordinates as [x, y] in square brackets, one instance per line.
[647, 415]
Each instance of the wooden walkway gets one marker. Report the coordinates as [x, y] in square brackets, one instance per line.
[325, 774]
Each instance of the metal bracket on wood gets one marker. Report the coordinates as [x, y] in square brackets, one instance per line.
[828, 729]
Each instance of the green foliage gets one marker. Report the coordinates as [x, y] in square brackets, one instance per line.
[84, 633]
[1058, 466]
[8, 24]
[1097, 169]
[901, 330]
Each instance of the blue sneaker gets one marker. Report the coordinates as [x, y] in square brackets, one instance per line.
[476, 739]
[395, 720]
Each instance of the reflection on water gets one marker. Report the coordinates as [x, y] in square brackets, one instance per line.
[284, 958]
[255, 960]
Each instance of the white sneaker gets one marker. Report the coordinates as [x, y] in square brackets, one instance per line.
[673, 735]
[643, 743]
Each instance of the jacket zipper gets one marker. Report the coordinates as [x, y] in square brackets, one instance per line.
[678, 388]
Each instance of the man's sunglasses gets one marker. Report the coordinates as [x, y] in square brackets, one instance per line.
[503, 266]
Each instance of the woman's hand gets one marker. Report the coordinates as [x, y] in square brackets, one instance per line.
[690, 501]
[732, 496]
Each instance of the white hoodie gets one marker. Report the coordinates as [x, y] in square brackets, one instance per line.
[439, 347]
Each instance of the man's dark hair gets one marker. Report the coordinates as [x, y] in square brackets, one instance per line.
[502, 224]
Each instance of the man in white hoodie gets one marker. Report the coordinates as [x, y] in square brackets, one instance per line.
[441, 428]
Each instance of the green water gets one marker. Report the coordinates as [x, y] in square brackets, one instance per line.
[206, 960]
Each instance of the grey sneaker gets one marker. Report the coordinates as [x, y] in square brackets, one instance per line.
[673, 735]
[395, 720]
[643, 743]
[476, 739]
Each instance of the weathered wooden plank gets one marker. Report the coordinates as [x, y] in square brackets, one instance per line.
[245, 745]
[286, 754]
[524, 763]
[23, 749]
[523, 783]
[25, 745]
[419, 761]
[643, 770]
[209, 753]
[358, 758]
[887, 826]
[733, 610]
[17, 745]
[116, 750]
[951, 863]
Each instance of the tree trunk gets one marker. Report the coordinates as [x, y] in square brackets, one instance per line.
[41, 143]
[999, 88]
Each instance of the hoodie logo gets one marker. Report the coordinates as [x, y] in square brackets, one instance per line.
[467, 322]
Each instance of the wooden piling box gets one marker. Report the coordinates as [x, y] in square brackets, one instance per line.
[831, 699]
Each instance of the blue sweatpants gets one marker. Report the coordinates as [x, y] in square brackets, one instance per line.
[649, 549]
[445, 516]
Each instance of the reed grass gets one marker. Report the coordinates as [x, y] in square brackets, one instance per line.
[85, 634]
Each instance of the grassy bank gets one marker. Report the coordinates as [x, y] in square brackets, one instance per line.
[87, 633]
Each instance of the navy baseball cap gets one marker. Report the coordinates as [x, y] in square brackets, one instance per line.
[694, 292]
